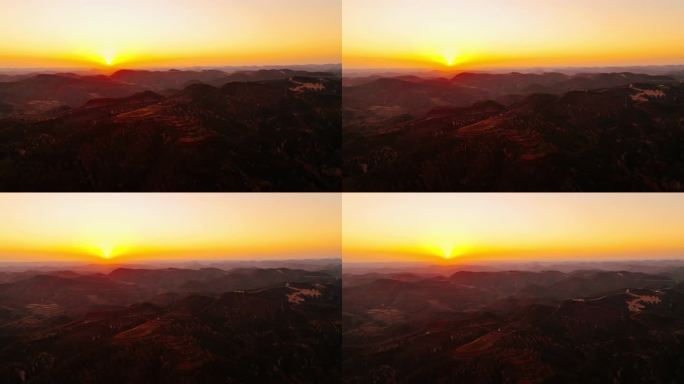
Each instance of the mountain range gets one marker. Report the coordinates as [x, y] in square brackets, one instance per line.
[514, 327]
[514, 132]
[171, 326]
[205, 130]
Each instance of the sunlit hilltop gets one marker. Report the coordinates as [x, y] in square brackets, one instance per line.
[501, 33]
[148, 33]
[149, 227]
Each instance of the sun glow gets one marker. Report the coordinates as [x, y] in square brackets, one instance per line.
[450, 58]
[163, 33]
[511, 34]
[132, 227]
[447, 252]
[107, 251]
[462, 228]
[108, 55]
[104, 250]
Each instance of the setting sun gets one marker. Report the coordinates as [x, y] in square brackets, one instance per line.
[447, 252]
[511, 34]
[108, 55]
[466, 227]
[107, 251]
[156, 33]
[123, 227]
[447, 249]
[450, 59]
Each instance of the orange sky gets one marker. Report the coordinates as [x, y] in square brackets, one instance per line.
[511, 33]
[125, 227]
[453, 228]
[140, 33]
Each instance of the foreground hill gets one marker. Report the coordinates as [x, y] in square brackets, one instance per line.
[624, 138]
[142, 326]
[515, 327]
[242, 136]
[41, 93]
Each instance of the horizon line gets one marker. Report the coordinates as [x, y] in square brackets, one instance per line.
[455, 69]
[167, 67]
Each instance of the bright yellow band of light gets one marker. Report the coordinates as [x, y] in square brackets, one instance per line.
[466, 34]
[453, 228]
[124, 227]
[146, 33]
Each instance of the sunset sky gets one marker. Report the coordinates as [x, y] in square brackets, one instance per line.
[148, 227]
[142, 33]
[486, 34]
[454, 228]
